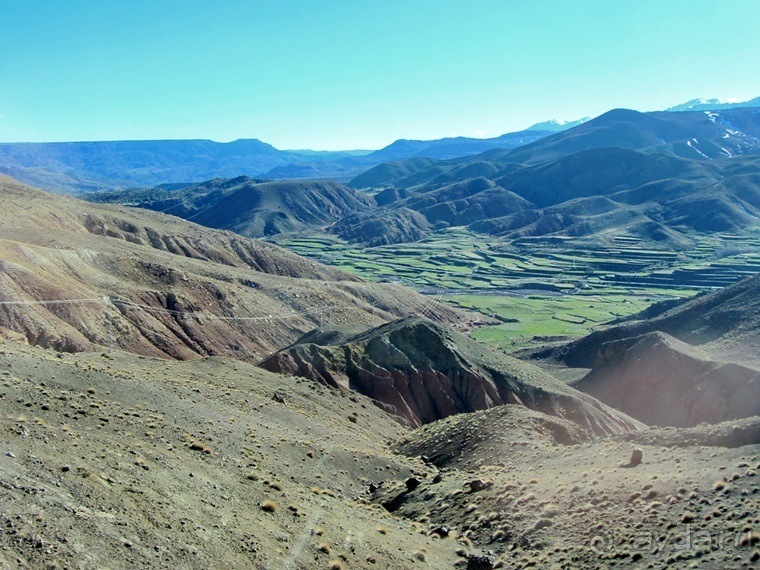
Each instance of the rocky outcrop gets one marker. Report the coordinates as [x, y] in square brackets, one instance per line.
[422, 372]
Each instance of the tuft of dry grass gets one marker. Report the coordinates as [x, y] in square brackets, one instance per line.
[269, 506]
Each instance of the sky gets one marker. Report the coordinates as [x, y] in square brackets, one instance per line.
[357, 74]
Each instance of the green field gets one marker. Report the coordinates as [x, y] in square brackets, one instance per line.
[542, 288]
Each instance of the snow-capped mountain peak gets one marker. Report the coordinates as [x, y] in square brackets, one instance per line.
[714, 104]
[555, 125]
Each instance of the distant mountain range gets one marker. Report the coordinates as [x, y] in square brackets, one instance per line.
[96, 166]
[556, 126]
[76, 167]
[656, 176]
[660, 177]
[345, 168]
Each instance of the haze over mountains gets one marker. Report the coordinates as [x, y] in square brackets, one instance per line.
[75, 167]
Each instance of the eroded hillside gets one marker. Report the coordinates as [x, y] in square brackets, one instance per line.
[77, 276]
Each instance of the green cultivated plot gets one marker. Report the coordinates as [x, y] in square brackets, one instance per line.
[541, 290]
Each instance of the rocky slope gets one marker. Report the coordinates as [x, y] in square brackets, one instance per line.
[537, 505]
[724, 323]
[117, 460]
[680, 364]
[157, 285]
[662, 381]
[122, 461]
[422, 372]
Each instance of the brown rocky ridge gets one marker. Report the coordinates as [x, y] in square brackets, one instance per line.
[422, 372]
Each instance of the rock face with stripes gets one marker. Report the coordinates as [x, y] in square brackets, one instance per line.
[421, 371]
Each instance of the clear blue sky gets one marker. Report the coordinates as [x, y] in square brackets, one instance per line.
[341, 74]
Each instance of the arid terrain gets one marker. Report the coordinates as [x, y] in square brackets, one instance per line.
[138, 430]
[157, 285]
[112, 460]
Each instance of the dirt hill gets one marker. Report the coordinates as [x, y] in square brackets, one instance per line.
[422, 372]
[248, 206]
[662, 381]
[157, 285]
[120, 461]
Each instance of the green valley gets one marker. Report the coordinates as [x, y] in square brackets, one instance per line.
[542, 288]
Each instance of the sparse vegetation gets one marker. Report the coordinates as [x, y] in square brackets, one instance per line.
[114, 435]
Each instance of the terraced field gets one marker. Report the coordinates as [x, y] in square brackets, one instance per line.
[543, 288]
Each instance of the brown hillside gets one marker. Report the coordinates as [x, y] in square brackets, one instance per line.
[662, 381]
[122, 461]
[173, 288]
[724, 323]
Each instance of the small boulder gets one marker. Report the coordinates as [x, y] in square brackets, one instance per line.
[636, 458]
[412, 483]
[478, 485]
[476, 562]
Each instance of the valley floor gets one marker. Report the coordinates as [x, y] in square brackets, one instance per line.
[543, 288]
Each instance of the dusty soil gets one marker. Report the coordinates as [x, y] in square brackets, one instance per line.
[117, 461]
[111, 460]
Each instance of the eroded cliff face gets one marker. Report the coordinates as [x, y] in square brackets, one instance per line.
[422, 372]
